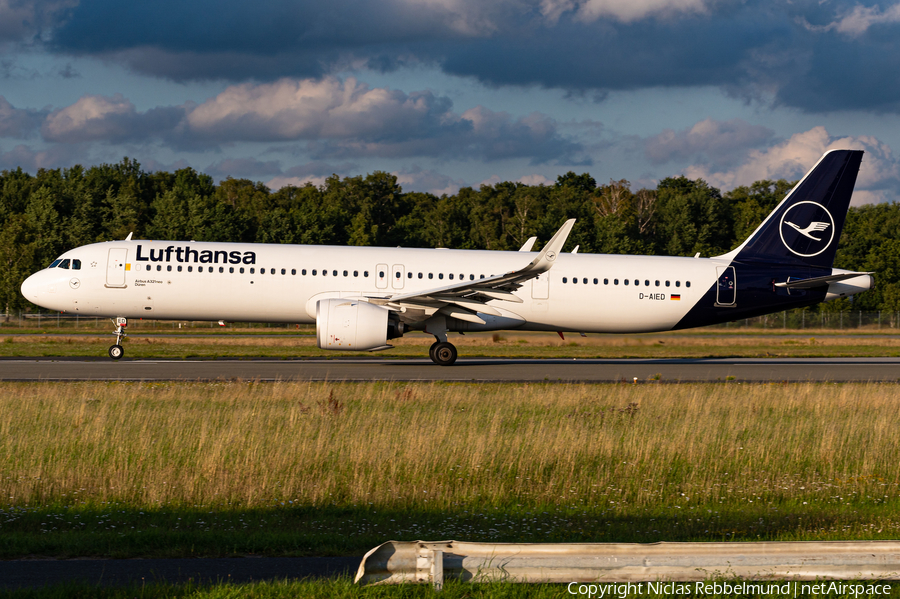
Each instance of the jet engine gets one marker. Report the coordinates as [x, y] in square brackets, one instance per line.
[355, 325]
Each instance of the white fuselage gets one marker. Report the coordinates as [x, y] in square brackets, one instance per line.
[266, 283]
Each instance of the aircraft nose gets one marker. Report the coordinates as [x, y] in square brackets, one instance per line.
[30, 287]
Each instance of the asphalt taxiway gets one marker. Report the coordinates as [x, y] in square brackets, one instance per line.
[465, 370]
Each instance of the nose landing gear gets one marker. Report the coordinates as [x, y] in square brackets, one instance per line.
[117, 351]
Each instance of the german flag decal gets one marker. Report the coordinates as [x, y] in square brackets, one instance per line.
[676, 296]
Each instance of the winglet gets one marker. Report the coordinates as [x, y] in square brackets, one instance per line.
[551, 251]
[526, 247]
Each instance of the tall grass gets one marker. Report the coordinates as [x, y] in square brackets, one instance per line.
[446, 446]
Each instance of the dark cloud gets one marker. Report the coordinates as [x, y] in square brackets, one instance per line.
[29, 159]
[242, 168]
[806, 54]
[18, 123]
[709, 141]
[337, 119]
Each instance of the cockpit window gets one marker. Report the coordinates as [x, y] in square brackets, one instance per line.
[65, 263]
[76, 264]
[55, 263]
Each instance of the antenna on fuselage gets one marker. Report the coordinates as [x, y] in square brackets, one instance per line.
[129, 236]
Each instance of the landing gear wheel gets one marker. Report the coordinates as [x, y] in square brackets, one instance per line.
[116, 351]
[444, 354]
[431, 350]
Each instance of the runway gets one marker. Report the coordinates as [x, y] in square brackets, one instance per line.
[465, 370]
[34, 573]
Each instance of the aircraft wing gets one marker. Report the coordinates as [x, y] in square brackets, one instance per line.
[463, 299]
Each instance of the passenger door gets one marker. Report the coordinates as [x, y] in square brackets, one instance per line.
[115, 267]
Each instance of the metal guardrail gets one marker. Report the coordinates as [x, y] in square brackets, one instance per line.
[433, 561]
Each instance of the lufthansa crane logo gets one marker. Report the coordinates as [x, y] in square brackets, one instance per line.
[807, 229]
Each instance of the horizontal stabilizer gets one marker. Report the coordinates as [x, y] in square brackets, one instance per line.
[820, 281]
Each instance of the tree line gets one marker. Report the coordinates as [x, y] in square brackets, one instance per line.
[45, 214]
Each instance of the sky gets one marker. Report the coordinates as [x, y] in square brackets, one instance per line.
[452, 93]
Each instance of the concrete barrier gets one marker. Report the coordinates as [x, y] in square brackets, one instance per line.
[433, 561]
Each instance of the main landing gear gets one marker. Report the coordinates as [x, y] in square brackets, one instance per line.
[117, 351]
[442, 353]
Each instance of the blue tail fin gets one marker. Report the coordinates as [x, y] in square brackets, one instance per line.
[805, 227]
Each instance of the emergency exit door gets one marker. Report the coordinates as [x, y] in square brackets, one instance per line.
[726, 289]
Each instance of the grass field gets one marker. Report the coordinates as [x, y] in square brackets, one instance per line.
[248, 343]
[128, 469]
[345, 589]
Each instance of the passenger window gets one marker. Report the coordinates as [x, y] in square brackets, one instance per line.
[646, 283]
[430, 275]
[565, 279]
[678, 283]
[397, 275]
[585, 280]
[380, 274]
[314, 272]
[451, 276]
[596, 281]
[636, 282]
[440, 275]
[262, 271]
[657, 283]
[615, 281]
[324, 273]
[667, 283]
[334, 273]
[346, 273]
[221, 269]
[179, 268]
[409, 275]
[355, 273]
[55, 263]
[481, 276]
[687, 283]
[272, 272]
[303, 272]
[606, 281]
[76, 264]
[365, 274]
[420, 275]
[626, 281]
[169, 267]
[159, 267]
[242, 270]
[148, 267]
[252, 270]
[575, 280]
[231, 269]
[283, 271]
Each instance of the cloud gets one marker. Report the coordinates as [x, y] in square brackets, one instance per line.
[336, 119]
[815, 56]
[719, 142]
[879, 175]
[857, 21]
[110, 119]
[242, 168]
[20, 21]
[18, 123]
[621, 10]
[31, 160]
[428, 181]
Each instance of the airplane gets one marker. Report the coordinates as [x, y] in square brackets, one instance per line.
[361, 297]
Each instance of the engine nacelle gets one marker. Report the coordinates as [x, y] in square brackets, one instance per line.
[351, 324]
